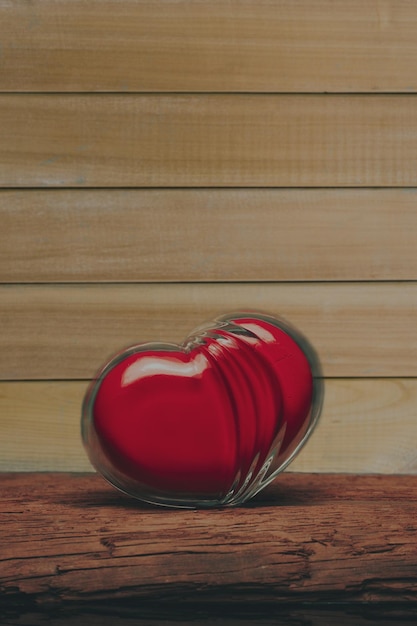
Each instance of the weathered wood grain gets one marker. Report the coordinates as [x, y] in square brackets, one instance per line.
[367, 426]
[69, 538]
[208, 140]
[208, 235]
[68, 331]
[254, 45]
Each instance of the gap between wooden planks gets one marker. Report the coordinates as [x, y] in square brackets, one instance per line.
[254, 45]
[207, 235]
[68, 331]
[367, 426]
[208, 140]
[307, 538]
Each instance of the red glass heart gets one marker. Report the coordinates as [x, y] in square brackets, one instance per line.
[208, 422]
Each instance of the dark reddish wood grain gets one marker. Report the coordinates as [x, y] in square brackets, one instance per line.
[72, 540]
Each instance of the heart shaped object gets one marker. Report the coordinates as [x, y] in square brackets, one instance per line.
[209, 422]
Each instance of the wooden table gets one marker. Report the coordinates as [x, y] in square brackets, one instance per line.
[312, 549]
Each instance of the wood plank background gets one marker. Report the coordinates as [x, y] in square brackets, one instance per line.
[214, 140]
[147, 235]
[67, 331]
[381, 413]
[193, 45]
[247, 155]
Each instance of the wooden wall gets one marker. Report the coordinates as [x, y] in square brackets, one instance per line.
[162, 161]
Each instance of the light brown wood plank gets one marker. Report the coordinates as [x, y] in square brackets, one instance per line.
[67, 331]
[367, 426]
[208, 140]
[40, 427]
[73, 539]
[208, 235]
[254, 45]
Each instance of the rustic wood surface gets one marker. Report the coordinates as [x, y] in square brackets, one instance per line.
[188, 45]
[210, 140]
[187, 234]
[73, 539]
[367, 426]
[67, 331]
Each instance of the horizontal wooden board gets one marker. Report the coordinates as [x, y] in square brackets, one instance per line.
[367, 426]
[208, 140]
[208, 235]
[71, 542]
[254, 45]
[67, 331]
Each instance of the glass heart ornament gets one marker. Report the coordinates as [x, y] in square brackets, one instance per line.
[206, 423]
